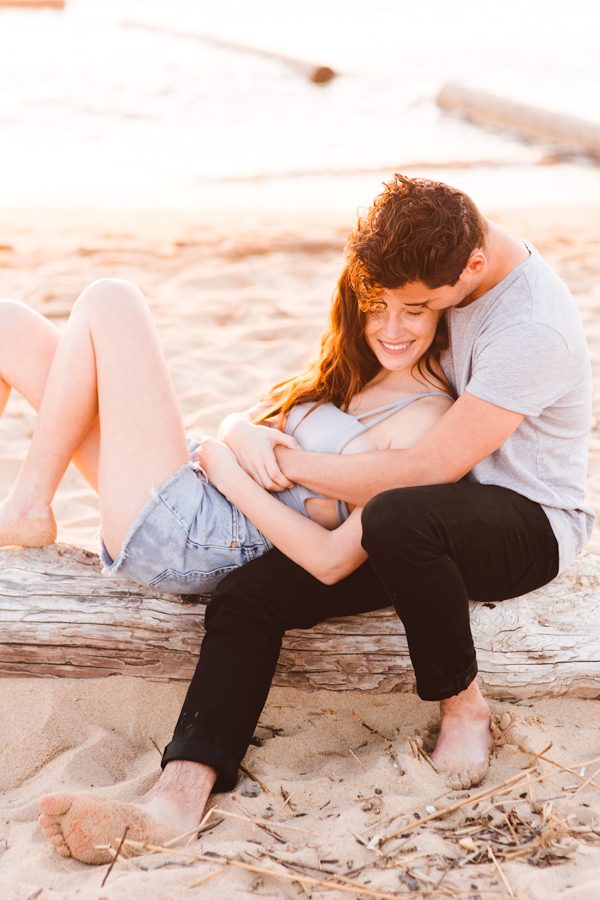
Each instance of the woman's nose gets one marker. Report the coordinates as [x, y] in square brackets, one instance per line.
[395, 328]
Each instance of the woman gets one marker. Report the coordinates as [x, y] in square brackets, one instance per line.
[109, 404]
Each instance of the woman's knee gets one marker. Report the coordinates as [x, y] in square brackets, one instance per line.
[14, 315]
[21, 325]
[108, 295]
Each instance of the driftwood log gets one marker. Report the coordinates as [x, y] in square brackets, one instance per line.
[316, 73]
[568, 134]
[33, 4]
[60, 616]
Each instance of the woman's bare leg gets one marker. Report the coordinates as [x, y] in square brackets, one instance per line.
[28, 342]
[108, 363]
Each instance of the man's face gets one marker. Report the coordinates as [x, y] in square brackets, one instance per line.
[416, 295]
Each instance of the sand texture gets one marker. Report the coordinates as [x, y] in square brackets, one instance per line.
[239, 304]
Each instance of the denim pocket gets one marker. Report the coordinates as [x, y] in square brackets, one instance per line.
[215, 524]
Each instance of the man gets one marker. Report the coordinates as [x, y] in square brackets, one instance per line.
[518, 363]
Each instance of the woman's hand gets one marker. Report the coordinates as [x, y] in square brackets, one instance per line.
[218, 462]
[254, 447]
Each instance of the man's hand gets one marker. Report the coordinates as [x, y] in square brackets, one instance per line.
[254, 448]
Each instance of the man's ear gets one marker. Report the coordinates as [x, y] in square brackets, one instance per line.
[475, 263]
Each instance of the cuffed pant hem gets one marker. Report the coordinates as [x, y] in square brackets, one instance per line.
[202, 751]
[443, 688]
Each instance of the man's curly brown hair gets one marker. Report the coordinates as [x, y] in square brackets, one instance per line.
[415, 230]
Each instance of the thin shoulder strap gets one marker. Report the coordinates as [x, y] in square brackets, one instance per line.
[384, 412]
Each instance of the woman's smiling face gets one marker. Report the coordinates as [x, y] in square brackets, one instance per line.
[398, 335]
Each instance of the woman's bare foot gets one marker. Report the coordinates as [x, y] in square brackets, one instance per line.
[465, 741]
[32, 527]
[83, 826]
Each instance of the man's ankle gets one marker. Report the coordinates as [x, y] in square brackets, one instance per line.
[179, 796]
[183, 775]
[470, 703]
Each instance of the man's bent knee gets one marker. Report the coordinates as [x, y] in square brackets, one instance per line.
[401, 521]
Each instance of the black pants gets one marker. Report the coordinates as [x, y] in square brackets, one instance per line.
[430, 549]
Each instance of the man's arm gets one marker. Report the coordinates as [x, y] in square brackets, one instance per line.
[468, 432]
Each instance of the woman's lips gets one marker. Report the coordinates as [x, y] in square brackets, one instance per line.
[396, 347]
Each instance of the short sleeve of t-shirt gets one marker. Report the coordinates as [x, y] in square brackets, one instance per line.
[524, 368]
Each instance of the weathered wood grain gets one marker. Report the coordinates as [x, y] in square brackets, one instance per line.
[59, 616]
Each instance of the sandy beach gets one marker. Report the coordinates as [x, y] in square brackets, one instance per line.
[240, 301]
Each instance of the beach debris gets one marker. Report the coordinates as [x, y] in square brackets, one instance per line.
[468, 844]
[116, 856]
[500, 872]
[480, 833]
[318, 74]
[419, 752]
[252, 789]
[155, 745]
[249, 774]
[567, 134]
[287, 798]
[362, 765]
[256, 820]
[410, 882]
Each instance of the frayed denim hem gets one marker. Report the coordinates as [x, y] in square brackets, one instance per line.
[111, 566]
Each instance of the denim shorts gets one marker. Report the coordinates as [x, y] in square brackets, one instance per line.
[187, 537]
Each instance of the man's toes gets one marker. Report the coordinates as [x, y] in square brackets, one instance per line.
[59, 844]
[463, 779]
[55, 804]
[458, 781]
[51, 828]
[477, 774]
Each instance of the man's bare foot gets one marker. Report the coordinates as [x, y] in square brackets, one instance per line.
[83, 825]
[26, 528]
[465, 741]
[80, 825]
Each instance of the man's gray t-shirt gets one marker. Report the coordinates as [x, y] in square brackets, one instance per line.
[521, 346]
